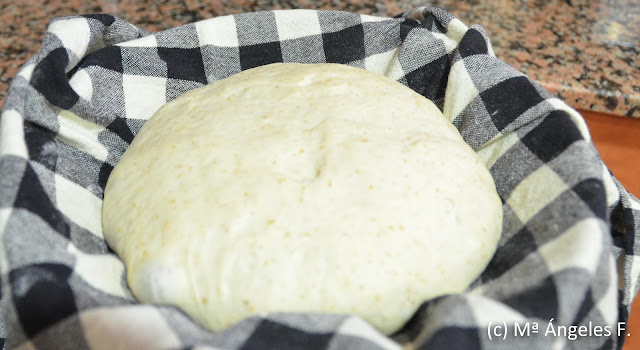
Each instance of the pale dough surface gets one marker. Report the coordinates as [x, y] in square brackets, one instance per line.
[300, 188]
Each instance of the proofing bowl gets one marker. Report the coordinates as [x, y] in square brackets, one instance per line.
[564, 267]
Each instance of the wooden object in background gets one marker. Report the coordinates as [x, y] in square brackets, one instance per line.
[633, 327]
[617, 139]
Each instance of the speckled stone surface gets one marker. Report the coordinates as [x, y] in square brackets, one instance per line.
[586, 52]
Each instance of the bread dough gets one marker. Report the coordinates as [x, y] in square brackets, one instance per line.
[300, 188]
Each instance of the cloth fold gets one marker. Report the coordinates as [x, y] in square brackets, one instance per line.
[567, 264]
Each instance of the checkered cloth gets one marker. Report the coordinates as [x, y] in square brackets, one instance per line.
[568, 255]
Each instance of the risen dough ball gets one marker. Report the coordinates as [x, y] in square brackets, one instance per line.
[300, 188]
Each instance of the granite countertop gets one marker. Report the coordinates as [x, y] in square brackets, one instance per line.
[586, 52]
